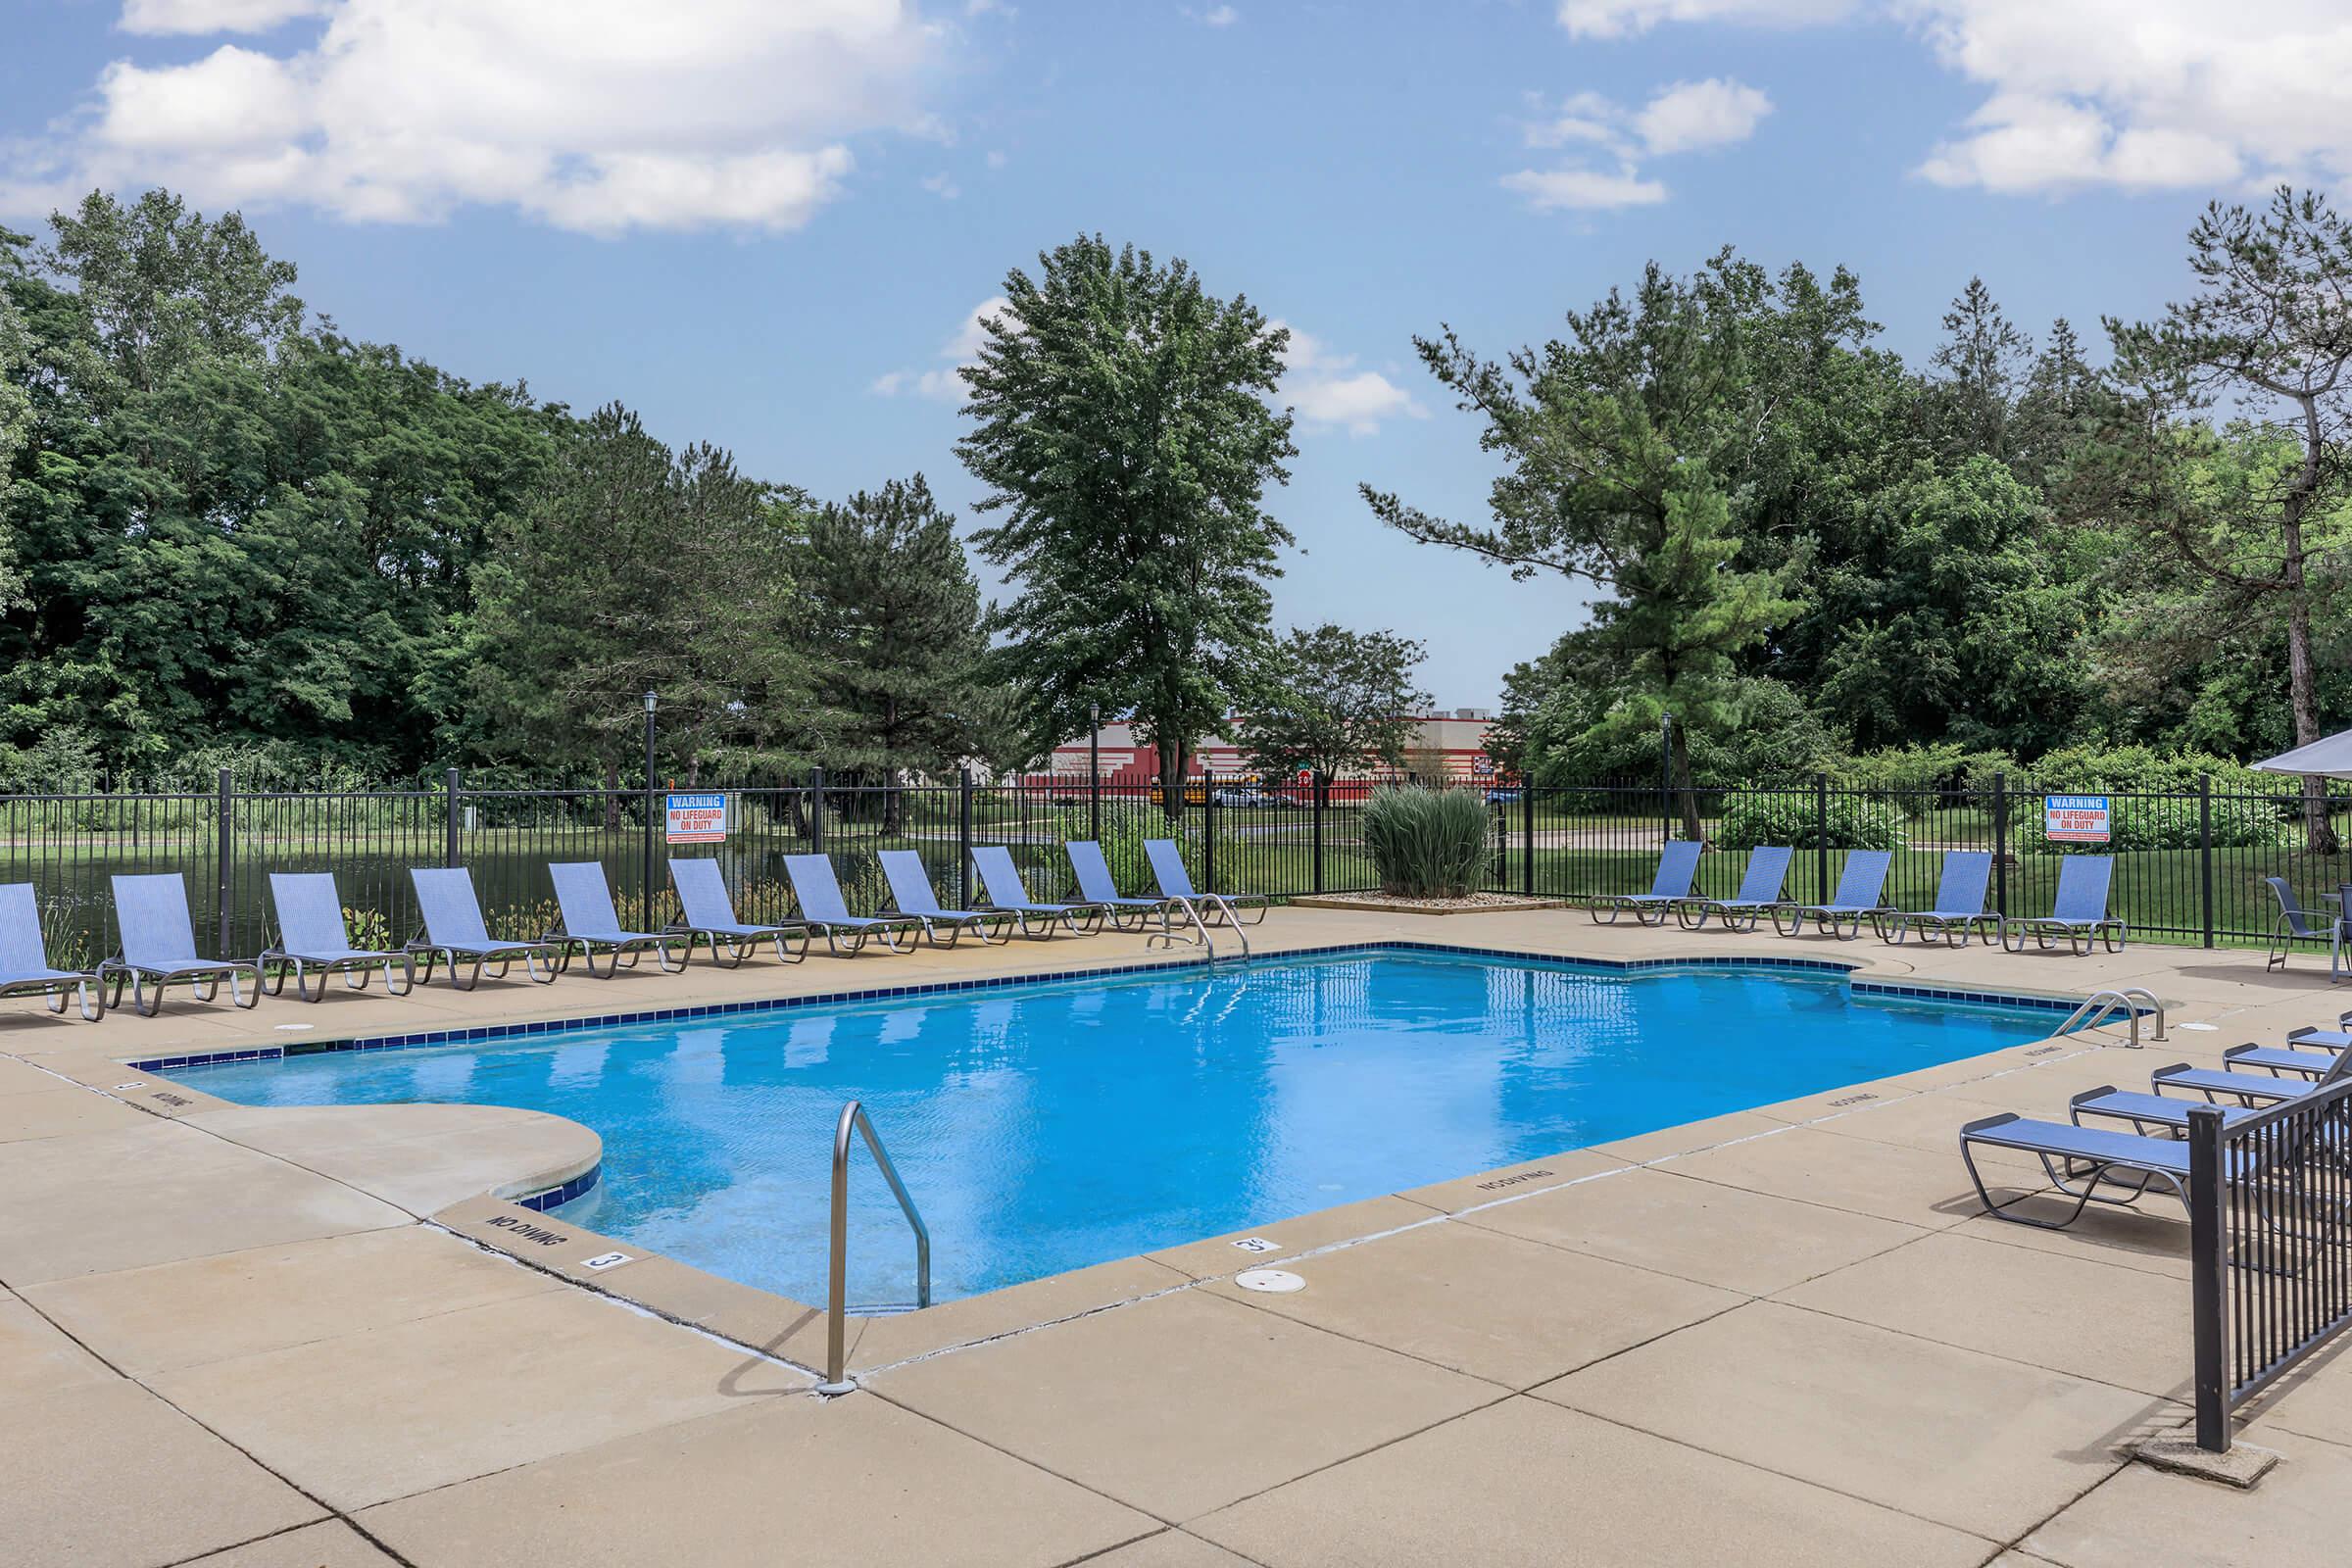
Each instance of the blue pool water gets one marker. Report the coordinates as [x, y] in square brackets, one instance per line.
[1048, 1127]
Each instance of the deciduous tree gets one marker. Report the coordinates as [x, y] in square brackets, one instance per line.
[1120, 421]
[1341, 700]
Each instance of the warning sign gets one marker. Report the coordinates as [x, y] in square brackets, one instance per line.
[2074, 819]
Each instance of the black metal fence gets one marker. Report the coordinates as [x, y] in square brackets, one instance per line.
[2270, 1244]
[2190, 867]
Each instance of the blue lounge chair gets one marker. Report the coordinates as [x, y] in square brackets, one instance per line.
[2080, 1162]
[311, 940]
[1678, 863]
[453, 929]
[2295, 923]
[1001, 882]
[1759, 894]
[1097, 885]
[1175, 882]
[2161, 1112]
[1860, 896]
[709, 913]
[24, 962]
[1959, 906]
[591, 925]
[159, 945]
[2247, 1088]
[822, 907]
[911, 895]
[2078, 913]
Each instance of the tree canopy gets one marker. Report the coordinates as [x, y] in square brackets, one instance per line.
[1119, 417]
[1337, 700]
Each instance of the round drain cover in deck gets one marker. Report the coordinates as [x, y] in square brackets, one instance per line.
[1277, 1281]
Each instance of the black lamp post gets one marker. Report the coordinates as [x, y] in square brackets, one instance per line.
[1094, 772]
[1666, 775]
[651, 703]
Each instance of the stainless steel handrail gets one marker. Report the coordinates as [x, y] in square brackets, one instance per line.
[853, 1115]
[2099, 1006]
[1233, 920]
[1168, 937]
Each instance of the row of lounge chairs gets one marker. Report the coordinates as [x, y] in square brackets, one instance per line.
[159, 938]
[2089, 1159]
[2077, 916]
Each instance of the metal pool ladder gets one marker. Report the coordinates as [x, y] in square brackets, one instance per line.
[2101, 1006]
[1168, 937]
[853, 1115]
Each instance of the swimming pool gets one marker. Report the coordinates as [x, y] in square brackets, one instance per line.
[1048, 1127]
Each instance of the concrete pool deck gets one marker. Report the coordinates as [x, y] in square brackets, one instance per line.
[270, 1339]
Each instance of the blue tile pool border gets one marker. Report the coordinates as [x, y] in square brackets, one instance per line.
[557, 1197]
[483, 1033]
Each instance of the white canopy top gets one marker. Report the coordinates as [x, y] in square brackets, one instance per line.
[2330, 758]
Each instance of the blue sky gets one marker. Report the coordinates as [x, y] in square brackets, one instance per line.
[767, 224]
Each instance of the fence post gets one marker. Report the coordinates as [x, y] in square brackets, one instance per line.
[1094, 801]
[1527, 830]
[220, 836]
[963, 838]
[816, 811]
[2000, 845]
[2206, 1305]
[1821, 836]
[1498, 864]
[2205, 851]
[1318, 796]
[451, 854]
[1208, 829]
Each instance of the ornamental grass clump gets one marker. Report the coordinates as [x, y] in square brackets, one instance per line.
[1425, 843]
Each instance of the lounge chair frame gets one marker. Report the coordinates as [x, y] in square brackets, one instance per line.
[1656, 907]
[25, 969]
[582, 892]
[839, 924]
[1953, 923]
[2082, 933]
[1761, 883]
[731, 941]
[437, 884]
[907, 865]
[1125, 912]
[308, 955]
[2078, 1168]
[1843, 916]
[203, 976]
[1176, 882]
[1034, 921]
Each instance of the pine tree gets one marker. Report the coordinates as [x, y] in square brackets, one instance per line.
[894, 630]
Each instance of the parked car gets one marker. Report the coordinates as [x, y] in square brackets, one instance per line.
[1503, 795]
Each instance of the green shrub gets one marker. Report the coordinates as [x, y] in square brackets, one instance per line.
[1792, 818]
[1425, 843]
[1913, 774]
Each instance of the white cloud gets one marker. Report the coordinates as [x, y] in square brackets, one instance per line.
[2145, 94]
[1328, 391]
[941, 384]
[213, 16]
[942, 186]
[2132, 94]
[595, 115]
[1700, 114]
[1220, 15]
[1616, 19]
[1553, 189]
[1683, 116]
